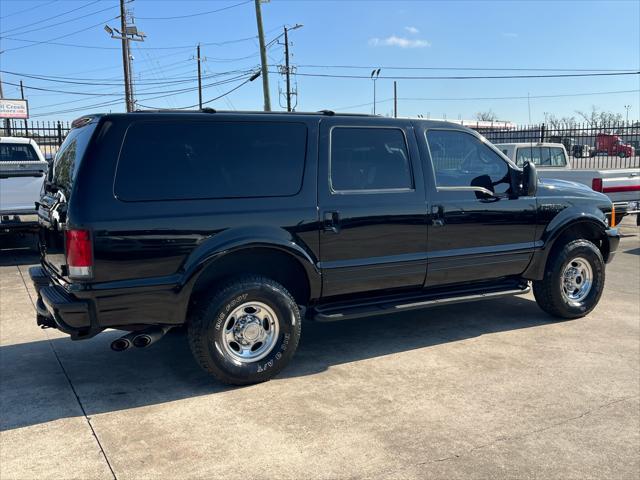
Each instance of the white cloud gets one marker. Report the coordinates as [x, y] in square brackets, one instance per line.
[395, 41]
[510, 35]
[412, 30]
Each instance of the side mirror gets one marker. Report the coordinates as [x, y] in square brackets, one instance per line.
[529, 179]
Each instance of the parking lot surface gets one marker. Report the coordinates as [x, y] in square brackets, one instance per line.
[481, 390]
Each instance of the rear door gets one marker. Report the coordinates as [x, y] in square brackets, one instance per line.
[372, 206]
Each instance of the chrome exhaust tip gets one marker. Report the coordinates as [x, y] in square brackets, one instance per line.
[149, 336]
[121, 344]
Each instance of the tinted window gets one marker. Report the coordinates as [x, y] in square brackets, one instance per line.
[15, 152]
[195, 160]
[462, 160]
[68, 157]
[369, 159]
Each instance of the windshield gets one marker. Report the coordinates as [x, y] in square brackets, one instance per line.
[69, 156]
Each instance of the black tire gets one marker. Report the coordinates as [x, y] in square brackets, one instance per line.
[206, 330]
[548, 291]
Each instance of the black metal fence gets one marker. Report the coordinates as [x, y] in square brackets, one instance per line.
[48, 135]
[608, 145]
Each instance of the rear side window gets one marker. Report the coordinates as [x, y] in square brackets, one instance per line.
[369, 159]
[541, 156]
[16, 152]
[68, 157]
[557, 157]
[200, 160]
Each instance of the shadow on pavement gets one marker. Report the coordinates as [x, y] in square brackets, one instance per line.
[18, 250]
[35, 390]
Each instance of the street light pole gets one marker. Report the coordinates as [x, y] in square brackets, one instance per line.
[627, 108]
[199, 81]
[375, 73]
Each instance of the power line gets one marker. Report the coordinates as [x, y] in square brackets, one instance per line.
[117, 101]
[470, 77]
[96, 47]
[520, 97]
[251, 78]
[195, 14]
[63, 22]
[514, 69]
[57, 16]
[51, 40]
[27, 9]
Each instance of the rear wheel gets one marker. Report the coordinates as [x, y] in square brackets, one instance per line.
[573, 280]
[247, 332]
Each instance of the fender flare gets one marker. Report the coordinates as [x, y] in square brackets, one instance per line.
[236, 240]
[568, 218]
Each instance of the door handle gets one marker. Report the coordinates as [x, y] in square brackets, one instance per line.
[437, 215]
[331, 222]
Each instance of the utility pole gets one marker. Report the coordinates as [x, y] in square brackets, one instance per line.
[627, 108]
[126, 59]
[395, 99]
[263, 59]
[199, 80]
[126, 34]
[286, 66]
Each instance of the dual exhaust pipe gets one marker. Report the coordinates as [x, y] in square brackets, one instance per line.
[140, 339]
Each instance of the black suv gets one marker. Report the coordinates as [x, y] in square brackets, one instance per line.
[238, 225]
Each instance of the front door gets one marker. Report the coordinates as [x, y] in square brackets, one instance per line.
[372, 205]
[479, 227]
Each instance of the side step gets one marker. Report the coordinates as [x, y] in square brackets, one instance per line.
[332, 313]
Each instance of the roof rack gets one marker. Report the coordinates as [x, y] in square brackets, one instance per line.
[240, 112]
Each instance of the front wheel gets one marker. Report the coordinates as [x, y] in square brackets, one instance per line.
[247, 332]
[573, 280]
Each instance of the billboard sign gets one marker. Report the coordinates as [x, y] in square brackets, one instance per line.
[13, 108]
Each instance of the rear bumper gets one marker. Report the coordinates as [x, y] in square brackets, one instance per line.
[58, 308]
[613, 236]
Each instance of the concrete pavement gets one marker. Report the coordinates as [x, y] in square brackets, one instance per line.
[483, 390]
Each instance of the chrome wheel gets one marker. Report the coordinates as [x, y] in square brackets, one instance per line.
[577, 279]
[250, 332]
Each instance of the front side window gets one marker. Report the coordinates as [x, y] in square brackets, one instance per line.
[462, 160]
[369, 159]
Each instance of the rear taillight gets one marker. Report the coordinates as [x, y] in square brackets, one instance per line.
[79, 253]
[596, 184]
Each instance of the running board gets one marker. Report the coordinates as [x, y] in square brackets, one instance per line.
[381, 307]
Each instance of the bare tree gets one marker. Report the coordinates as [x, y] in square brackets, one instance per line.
[487, 116]
[597, 117]
[562, 122]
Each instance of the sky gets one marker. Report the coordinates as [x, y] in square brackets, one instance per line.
[63, 45]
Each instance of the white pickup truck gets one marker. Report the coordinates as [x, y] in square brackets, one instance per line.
[622, 186]
[23, 169]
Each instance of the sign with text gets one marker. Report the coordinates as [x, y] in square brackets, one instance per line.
[13, 108]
